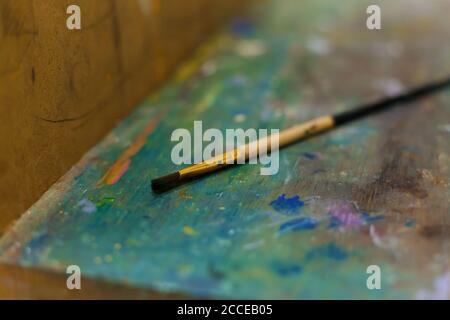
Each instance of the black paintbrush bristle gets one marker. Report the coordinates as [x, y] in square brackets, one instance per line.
[165, 183]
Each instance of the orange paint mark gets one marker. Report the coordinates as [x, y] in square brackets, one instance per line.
[184, 195]
[121, 165]
[116, 172]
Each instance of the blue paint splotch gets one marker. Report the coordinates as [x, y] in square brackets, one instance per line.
[334, 223]
[371, 218]
[287, 206]
[312, 155]
[286, 270]
[330, 251]
[299, 224]
[243, 28]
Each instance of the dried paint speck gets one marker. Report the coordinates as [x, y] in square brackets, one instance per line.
[299, 224]
[287, 205]
[285, 270]
[345, 214]
[409, 223]
[189, 231]
[331, 251]
[87, 206]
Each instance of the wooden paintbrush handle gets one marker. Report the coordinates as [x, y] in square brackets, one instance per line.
[250, 150]
[305, 130]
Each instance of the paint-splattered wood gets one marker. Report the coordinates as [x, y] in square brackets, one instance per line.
[372, 192]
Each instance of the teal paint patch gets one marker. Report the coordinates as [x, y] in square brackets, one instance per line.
[409, 223]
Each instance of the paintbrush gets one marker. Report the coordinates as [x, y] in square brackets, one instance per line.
[291, 135]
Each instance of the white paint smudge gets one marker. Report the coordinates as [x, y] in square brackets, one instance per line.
[288, 178]
[387, 242]
[390, 86]
[288, 173]
[208, 68]
[390, 49]
[239, 118]
[319, 46]
[444, 128]
[252, 245]
[440, 291]
[375, 237]
[87, 206]
[251, 48]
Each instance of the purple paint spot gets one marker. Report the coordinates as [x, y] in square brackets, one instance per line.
[344, 214]
[87, 206]
[298, 225]
[287, 205]
[242, 27]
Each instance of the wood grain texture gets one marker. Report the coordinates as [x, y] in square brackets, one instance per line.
[62, 90]
[375, 191]
[30, 283]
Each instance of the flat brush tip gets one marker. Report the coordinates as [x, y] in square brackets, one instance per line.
[165, 183]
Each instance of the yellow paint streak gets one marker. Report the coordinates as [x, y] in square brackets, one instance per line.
[185, 269]
[207, 100]
[189, 231]
[98, 260]
[190, 67]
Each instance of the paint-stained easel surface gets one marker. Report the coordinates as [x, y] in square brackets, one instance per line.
[374, 192]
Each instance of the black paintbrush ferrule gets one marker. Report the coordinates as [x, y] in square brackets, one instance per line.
[381, 105]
